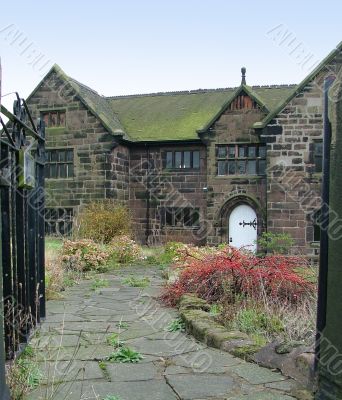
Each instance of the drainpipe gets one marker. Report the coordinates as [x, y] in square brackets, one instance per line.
[323, 259]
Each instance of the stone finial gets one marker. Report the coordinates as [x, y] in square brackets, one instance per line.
[243, 76]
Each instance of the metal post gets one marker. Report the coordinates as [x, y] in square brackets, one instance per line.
[4, 393]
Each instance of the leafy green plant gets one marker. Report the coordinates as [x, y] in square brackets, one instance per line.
[99, 283]
[103, 220]
[136, 282]
[114, 340]
[254, 321]
[125, 355]
[275, 243]
[176, 325]
[215, 309]
[121, 324]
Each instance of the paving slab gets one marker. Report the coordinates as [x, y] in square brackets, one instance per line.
[72, 351]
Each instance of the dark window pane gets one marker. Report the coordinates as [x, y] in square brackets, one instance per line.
[194, 218]
[178, 159]
[70, 155]
[231, 151]
[169, 163]
[70, 171]
[221, 168]
[318, 148]
[318, 160]
[262, 151]
[195, 159]
[231, 167]
[178, 217]
[53, 119]
[46, 119]
[187, 159]
[62, 173]
[168, 217]
[242, 151]
[53, 155]
[53, 171]
[262, 167]
[251, 151]
[251, 167]
[186, 216]
[62, 118]
[61, 156]
[241, 167]
[222, 151]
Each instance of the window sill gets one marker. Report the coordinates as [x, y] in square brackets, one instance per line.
[180, 169]
[240, 176]
[60, 179]
[181, 228]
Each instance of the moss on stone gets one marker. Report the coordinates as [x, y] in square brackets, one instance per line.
[190, 301]
[245, 351]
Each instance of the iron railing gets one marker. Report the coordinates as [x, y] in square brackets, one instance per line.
[22, 147]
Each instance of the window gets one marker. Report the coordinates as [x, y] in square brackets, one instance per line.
[241, 159]
[181, 217]
[318, 155]
[58, 221]
[59, 163]
[182, 159]
[54, 118]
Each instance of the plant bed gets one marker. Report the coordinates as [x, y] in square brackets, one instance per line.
[292, 359]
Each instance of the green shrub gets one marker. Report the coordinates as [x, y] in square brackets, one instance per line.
[84, 255]
[275, 243]
[254, 321]
[103, 220]
[125, 250]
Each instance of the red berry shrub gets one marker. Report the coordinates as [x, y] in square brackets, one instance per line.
[232, 273]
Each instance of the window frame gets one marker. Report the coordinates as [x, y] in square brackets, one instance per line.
[316, 155]
[173, 156]
[237, 158]
[49, 114]
[63, 217]
[177, 217]
[57, 164]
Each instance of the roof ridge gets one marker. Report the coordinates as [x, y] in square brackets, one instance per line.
[197, 91]
[85, 86]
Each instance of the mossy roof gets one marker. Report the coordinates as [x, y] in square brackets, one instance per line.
[181, 115]
[174, 116]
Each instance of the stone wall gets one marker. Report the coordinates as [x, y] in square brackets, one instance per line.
[224, 192]
[153, 188]
[293, 191]
[100, 165]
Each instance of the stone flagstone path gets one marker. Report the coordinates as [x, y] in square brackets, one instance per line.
[72, 342]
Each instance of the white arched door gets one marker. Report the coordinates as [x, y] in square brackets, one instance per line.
[243, 227]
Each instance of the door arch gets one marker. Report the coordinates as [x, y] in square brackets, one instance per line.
[242, 227]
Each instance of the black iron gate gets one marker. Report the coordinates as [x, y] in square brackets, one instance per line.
[22, 230]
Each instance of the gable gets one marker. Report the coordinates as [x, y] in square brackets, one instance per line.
[334, 57]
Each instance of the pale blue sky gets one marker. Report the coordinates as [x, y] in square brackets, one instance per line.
[131, 46]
